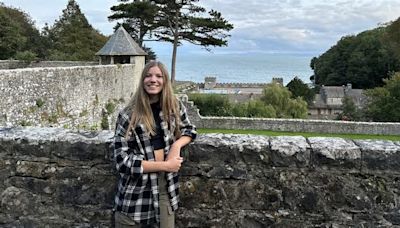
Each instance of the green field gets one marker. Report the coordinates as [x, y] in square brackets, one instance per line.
[282, 133]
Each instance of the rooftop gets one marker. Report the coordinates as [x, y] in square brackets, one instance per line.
[121, 43]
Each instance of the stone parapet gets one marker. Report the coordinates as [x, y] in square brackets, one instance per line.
[62, 178]
[14, 64]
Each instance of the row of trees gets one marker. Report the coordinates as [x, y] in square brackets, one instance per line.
[276, 102]
[363, 60]
[71, 37]
[172, 21]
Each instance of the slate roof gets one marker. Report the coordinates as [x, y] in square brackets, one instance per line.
[121, 43]
[326, 92]
[333, 91]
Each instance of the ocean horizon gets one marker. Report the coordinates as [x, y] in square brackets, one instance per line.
[240, 68]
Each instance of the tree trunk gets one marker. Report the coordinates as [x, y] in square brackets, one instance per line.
[175, 48]
[173, 63]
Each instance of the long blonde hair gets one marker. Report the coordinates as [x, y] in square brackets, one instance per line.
[140, 107]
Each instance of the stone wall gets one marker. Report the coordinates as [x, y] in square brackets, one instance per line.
[60, 178]
[71, 97]
[15, 64]
[292, 125]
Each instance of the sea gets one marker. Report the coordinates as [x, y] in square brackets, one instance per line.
[241, 68]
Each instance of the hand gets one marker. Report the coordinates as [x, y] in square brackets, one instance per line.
[173, 164]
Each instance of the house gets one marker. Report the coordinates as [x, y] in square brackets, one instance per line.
[328, 103]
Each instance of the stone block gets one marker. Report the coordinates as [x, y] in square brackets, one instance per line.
[379, 154]
[335, 152]
[290, 151]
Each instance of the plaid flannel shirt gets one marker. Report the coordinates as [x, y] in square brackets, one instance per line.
[138, 193]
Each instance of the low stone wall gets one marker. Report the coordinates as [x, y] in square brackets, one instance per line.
[291, 125]
[59, 178]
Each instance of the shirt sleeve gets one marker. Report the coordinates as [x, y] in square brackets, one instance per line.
[126, 160]
[185, 126]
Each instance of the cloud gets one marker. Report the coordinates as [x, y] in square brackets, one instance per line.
[265, 26]
[308, 25]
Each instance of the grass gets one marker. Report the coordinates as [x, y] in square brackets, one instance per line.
[283, 133]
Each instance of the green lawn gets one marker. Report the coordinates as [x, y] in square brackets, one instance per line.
[280, 133]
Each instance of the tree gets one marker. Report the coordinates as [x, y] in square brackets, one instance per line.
[383, 103]
[18, 34]
[72, 37]
[257, 108]
[279, 98]
[174, 22]
[362, 60]
[211, 104]
[350, 110]
[299, 89]
[138, 18]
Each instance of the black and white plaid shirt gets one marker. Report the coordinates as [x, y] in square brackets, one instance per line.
[138, 192]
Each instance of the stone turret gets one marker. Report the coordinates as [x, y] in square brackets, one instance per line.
[210, 82]
[121, 48]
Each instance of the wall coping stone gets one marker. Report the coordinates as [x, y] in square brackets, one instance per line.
[43, 134]
[282, 150]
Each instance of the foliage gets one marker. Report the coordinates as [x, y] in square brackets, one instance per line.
[39, 103]
[72, 37]
[26, 56]
[255, 108]
[362, 60]
[383, 103]
[297, 108]
[104, 123]
[350, 111]
[138, 18]
[299, 89]
[281, 106]
[110, 107]
[211, 104]
[18, 34]
[173, 22]
[280, 99]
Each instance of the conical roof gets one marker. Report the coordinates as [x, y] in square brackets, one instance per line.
[121, 43]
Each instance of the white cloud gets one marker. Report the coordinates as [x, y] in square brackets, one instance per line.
[273, 25]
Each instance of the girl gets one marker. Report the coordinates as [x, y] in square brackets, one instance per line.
[149, 135]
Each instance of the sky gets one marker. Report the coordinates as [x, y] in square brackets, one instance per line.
[260, 26]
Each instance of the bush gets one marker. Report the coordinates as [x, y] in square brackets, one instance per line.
[27, 56]
[212, 104]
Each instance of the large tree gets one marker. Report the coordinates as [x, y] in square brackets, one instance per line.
[383, 103]
[279, 97]
[18, 34]
[300, 89]
[72, 37]
[174, 22]
[363, 60]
